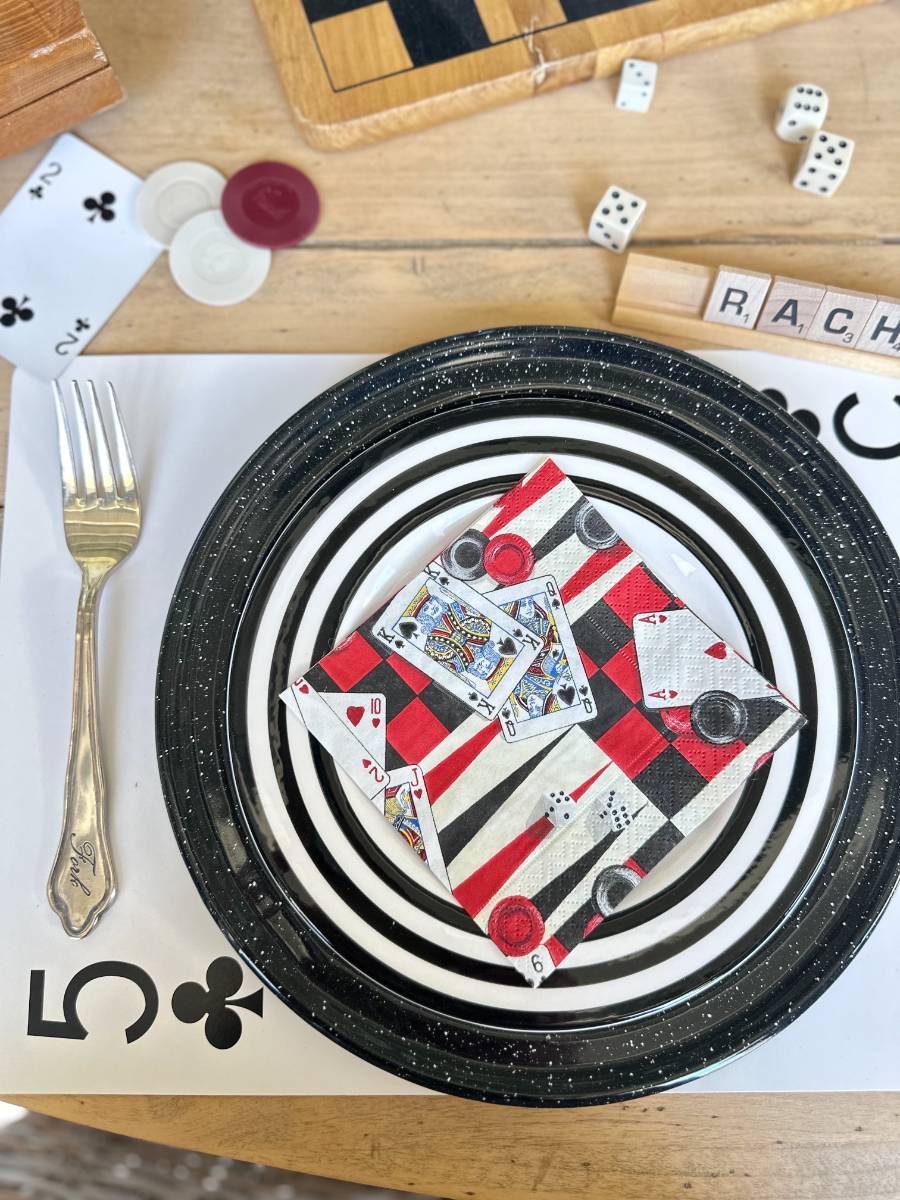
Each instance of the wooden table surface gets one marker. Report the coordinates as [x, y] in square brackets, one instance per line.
[472, 224]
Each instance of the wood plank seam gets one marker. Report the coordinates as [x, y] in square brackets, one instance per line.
[572, 243]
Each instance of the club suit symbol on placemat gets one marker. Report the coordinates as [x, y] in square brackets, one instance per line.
[803, 415]
[192, 1001]
[15, 310]
[841, 413]
[102, 208]
[839, 420]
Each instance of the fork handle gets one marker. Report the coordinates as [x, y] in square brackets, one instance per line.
[82, 882]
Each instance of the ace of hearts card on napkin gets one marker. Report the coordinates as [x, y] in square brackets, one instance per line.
[541, 718]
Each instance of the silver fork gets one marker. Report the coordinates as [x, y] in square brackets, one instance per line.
[102, 521]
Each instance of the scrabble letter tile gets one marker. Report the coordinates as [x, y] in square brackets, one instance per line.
[737, 297]
[616, 218]
[882, 332]
[841, 317]
[790, 307]
[824, 163]
[801, 113]
[636, 85]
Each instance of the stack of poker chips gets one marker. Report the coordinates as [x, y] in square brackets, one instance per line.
[221, 233]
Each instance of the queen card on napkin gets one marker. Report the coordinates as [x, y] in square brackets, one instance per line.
[550, 719]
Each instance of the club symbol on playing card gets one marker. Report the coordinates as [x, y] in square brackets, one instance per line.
[102, 207]
[37, 193]
[81, 325]
[193, 1001]
[14, 310]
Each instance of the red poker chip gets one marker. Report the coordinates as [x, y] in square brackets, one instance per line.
[270, 204]
[515, 925]
[508, 558]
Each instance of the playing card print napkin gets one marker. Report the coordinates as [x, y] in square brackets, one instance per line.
[540, 718]
[70, 252]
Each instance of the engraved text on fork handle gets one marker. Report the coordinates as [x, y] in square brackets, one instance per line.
[82, 882]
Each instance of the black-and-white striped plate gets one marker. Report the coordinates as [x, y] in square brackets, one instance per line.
[743, 513]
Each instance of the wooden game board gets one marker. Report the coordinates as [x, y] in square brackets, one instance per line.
[360, 70]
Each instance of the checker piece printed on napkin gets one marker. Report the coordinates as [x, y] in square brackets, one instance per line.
[541, 719]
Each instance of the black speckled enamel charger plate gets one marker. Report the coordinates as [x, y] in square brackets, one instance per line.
[770, 900]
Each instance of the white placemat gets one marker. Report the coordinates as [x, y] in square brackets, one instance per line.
[193, 421]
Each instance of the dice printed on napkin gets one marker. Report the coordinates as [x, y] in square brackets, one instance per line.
[541, 719]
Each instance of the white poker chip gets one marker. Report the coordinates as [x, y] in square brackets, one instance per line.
[213, 266]
[173, 194]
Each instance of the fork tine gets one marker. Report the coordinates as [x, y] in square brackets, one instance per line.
[85, 452]
[101, 445]
[66, 457]
[122, 451]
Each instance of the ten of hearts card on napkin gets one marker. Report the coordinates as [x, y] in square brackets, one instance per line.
[70, 252]
[541, 718]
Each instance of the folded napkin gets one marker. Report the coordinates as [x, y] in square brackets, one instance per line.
[540, 718]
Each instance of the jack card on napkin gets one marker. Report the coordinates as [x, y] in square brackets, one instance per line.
[70, 252]
[555, 720]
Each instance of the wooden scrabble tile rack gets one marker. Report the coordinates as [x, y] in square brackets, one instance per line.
[668, 297]
[53, 71]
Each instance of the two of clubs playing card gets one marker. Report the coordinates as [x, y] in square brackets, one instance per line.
[70, 252]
